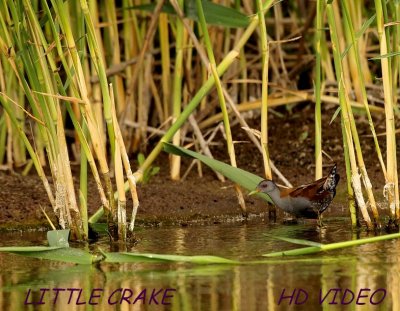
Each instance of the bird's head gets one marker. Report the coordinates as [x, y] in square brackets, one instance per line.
[265, 186]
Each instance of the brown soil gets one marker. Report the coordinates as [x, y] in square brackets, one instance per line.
[206, 199]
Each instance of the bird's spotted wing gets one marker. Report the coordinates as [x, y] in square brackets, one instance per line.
[318, 189]
[331, 181]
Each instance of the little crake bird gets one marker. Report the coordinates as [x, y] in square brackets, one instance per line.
[307, 201]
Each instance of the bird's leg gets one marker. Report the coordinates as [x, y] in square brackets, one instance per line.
[271, 212]
[320, 219]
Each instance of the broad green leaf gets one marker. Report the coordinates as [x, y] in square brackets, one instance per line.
[215, 14]
[65, 254]
[204, 260]
[58, 237]
[137, 257]
[245, 179]
[99, 227]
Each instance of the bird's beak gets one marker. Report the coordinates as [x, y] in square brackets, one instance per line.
[254, 191]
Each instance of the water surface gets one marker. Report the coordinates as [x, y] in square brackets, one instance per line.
[367, 272]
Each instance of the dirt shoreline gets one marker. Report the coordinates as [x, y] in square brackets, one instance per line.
[206, 200]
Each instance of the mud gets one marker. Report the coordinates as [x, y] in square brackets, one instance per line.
[207, 200]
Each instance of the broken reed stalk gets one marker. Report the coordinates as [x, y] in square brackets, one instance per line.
[348, 121]
[127, 167]
[391, 189]
[264, 89]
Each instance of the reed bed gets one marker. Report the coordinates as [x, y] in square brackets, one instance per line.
[112, 73]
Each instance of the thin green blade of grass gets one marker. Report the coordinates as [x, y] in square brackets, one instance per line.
[145, 257]
[388, 55]
[332, 246]
[245, 179]
[337, 111]
[215, 14]
[295, 241]
[364, 27]
[63, 254]
[309, 260]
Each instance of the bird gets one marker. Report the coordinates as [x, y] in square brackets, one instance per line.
[306, 201]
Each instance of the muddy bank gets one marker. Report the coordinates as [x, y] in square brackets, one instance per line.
[207, 200]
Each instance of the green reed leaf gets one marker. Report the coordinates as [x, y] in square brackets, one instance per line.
[145, 257]
[215, 14]
[241, 177]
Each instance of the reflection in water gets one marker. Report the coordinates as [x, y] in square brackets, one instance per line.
[361, 270]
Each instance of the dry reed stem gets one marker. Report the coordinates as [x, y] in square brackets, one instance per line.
[146, 44]
[203, 144]
[125, 160]
[253, 137]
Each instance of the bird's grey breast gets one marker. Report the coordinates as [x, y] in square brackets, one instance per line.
[295, 205]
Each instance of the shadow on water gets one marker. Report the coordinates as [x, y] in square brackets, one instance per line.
[346, 278]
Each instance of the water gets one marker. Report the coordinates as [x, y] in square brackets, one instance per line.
[372, 269]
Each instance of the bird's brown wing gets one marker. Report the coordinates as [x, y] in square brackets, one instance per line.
[309, 191]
